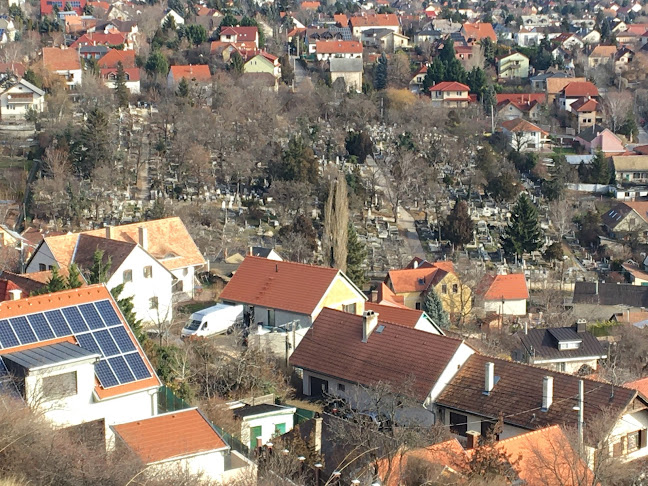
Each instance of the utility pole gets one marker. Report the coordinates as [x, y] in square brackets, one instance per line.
[581, 404]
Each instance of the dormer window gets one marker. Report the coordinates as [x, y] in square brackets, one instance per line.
[566, 338]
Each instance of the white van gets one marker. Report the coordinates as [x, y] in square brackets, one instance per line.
[213, 320]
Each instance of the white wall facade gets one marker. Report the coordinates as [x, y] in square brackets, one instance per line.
[209, 465]
[143, 289]
[566, 365]
[44, 257]
[461, 355]
[186, 277]
[511, 307]
[14, 105]
[267, 422]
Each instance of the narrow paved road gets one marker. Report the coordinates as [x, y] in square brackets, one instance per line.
[300, 72]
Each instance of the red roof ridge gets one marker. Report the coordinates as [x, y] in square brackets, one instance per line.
[38, 303]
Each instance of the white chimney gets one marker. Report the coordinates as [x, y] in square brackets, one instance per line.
[109, 232]
[369, 323]
[15, 294]
[143, 237]
[489, 378]
[415, 264]
[547, 392]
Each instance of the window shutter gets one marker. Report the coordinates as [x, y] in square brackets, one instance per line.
[642, 438]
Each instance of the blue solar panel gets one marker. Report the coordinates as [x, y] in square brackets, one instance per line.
[138, 366]
[22, 330]
[121, 369]
[87, 342]
[105, 374]
[108, 313]
[74, 319]
[106, 343]
[57, 321]
[91, 316]
[122, 339]
[40, 327]
[7, 337]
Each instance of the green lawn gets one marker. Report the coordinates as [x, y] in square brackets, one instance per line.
[14, 162]
[564, 151]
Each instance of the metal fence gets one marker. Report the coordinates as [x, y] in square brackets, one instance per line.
[168, 402]
[302, 415]
[233, 442]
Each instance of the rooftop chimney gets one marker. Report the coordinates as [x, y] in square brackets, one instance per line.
[369, 323]
[15, 294]
[473, 439]
[547, 392]
[143, 237]
[581, 325]
[489, 378]
[415, 264]
[109, 232]
[317, 435]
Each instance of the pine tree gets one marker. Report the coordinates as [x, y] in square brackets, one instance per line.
[477, 82]
[523, 232]
[100, 269]
[74, 277]
[435, 74]
[287, 71]
[380, 73]
[600, 169]
[94, 144]
[434, 309]
[121, 91]
[183, 88]
[458, 227]
[237, 62]
[447, 53]
[356, 255]
[127, 309]
[56, 282]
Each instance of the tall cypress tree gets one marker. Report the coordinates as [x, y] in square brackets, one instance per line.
[523, 232]
[356, 255]
[458, 227]
[600, 169]
[434, 309]
[121, 91]
[380, 73]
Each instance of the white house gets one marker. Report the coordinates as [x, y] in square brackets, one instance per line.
[528, 37]
[504, 294]
[260, 423]
[182, 441]
[19, 99]
[132, 78]
[523, 135]
[73, 357]
[179, 20]
[64, 62]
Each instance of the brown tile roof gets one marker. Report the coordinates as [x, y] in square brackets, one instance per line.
[115, 250]
[603, 51]
[521, 125]
[289, 286]
[56, 59]
[577, 89]
[508, 287]
[333, 346]
[521, 97]
[479, 31]
[6, 286]
[62, 247]
[517, 395]
[374, 20]
[584, 105]
[338, 46]
[169, 436]
[34, 235]
[556, 85]
[341, 19]
[99, 39]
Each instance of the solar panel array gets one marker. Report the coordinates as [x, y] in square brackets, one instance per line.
[97, 328]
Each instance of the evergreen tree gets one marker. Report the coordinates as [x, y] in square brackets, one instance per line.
[287, 71]
[127, 309]
[298, 162]
[356, 256]
[433, 307]
[121, 91]
[94, 146]
[359, 144]
[196, 34]
[183, 88]
[447, 53]
[74, 279]
[336, 224]
[599, 172]
[435, 74]
[523, 232]
[100, 269]
[380, 73]
[477, 82]
[629, 127]
[458, 227]
[156, 64]
[56, 282]
[454, 71]
[237, 63]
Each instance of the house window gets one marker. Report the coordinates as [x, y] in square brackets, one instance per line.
[153, 303]
[148, 271]
[60, 386]
[271, 317]
[487, 429]
[444, 289]
[455, 288]
[128, 276]
[178, 286]
[42, 267]
[561, 366]
[633, 441]
[280, 429]
[350, 308]
[341, 387]
[418, 306]
[458, 423]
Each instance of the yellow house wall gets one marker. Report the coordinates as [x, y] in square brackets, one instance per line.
[452, 303]
[341, 293]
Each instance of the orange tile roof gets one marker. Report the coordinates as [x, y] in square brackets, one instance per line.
[479, 31]
[310, 5]
[449, 86]
[521, 125]
[114, 56]
[641, 385]
[341, 19]
[418, 279]
[338, 47]
[387, 297]
[56, 59]
[375, 20]
[92, 293]
[171, 435]
[580, 88]
[199, 72]
[603, 51]
[99, 39]
[508, 287]
[584, 105]
[168, 241]
[289, 286]
[556, 85]
[521, 97]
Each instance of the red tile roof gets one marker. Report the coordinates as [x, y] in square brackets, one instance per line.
[521, 97]
[578, 89]
[310, 5]
[198, 72]
[15, 67]
[338, 47]
[114, 56]
[375, 20]
[341, 19]
[243, 34]
[5, 287]
[640, 385]
[507, 287]
[132, 74]
[418, 279]
[169, 436]
[479, 31]
[387, 297]
[396, 315]
[56, 59]
[584, 105]
[289, 286]
[449, 86]
[99, 39]
[521, 125]
[333, 346]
